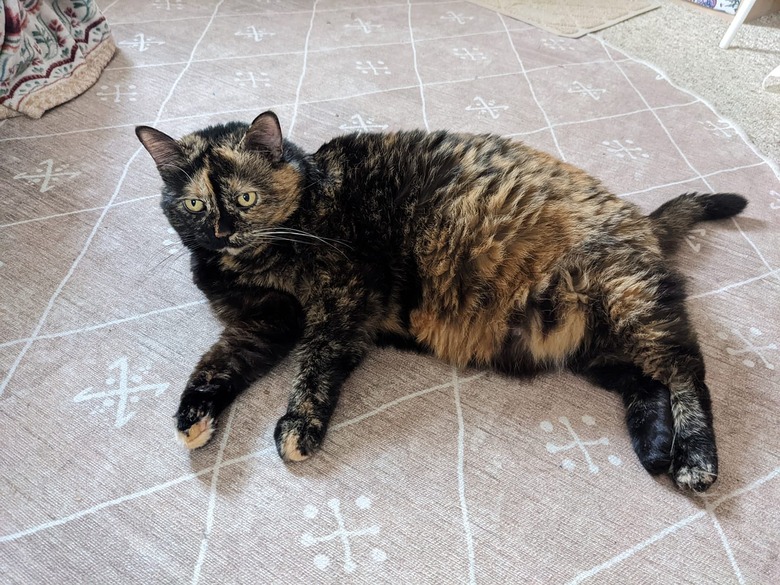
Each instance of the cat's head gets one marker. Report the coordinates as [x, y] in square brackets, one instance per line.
[228, 186]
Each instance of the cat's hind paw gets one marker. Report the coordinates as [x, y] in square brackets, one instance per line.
[697, 479]
[695, 467]
[297, 437]
[198, 434]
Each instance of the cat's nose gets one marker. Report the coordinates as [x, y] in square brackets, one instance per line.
[223, 228]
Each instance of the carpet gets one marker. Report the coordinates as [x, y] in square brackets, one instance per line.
[427, 475]
[569, 18]
[683, 40]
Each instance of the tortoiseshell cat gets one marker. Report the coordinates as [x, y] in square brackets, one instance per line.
[478, 249]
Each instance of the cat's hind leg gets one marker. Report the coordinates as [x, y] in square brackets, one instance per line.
[648, 321]
[648, 411]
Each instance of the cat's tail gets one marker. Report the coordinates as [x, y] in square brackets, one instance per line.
[673, 220]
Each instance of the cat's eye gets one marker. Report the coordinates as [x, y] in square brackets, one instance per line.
[194, 205]
[247, 199]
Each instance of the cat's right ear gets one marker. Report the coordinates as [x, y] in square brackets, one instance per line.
[265, 136]
[164, 150]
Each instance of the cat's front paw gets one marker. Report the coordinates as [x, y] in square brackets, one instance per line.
[695, 464]
[297, 437]
[195, 422]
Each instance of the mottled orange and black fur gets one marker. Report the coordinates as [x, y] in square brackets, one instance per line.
[478, 249]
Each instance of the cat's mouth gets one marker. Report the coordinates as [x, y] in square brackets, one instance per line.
[215, 245]
[228, 244]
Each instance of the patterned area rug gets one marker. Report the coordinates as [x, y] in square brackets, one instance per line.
[428, 475]
[568, 18]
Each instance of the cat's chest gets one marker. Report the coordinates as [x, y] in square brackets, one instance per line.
[235, 282]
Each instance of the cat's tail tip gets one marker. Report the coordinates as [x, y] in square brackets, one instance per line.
[673, 219]
[722, 205]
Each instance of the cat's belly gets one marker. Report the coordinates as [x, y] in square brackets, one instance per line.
[539, 327]
[457, 340]
[546, 338]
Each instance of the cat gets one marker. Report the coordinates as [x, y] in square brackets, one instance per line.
[474, 248]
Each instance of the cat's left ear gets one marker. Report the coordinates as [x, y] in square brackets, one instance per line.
[265, 136]
[164, 150]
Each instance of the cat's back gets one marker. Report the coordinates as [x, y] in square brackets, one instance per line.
[506, 210]
[469, 180]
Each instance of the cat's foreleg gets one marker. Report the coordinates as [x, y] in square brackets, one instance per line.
[329, 351]
[243, 353]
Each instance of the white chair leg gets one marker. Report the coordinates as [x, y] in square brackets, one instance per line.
[772, 81]
[739, 18]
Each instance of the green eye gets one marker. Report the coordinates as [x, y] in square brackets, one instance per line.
[194, 205]
[247, 199]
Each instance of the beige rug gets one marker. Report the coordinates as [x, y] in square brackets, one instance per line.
[427, 475]
[570, 18]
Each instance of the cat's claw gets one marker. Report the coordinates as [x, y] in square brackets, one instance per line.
[198, 434]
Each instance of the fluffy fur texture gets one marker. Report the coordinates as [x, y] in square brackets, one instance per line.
[475, 248]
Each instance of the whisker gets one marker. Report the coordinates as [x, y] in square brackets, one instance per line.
[274, 239]
[166, 257]
[303, 233]
[183, 248]
[294, 232]
[277, 234]
[170, 257]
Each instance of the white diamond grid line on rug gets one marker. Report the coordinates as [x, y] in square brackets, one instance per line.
[213, 495]
[416, 68]
[99, 208]
[533, 93]
[721, 289]
[710, 507]
[714, 519]
[461, 477]
[303, 70]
